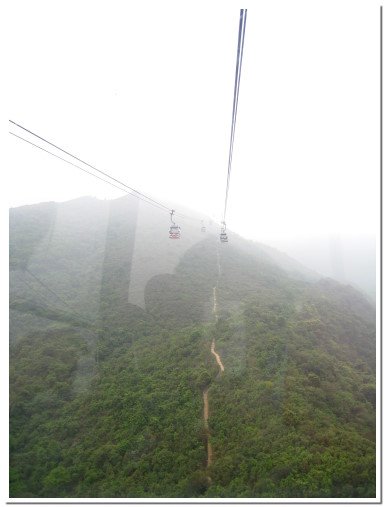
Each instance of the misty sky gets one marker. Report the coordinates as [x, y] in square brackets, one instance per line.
[143, 90]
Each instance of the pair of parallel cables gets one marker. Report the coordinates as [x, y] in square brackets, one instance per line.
[126, 188]
[115, 182]
[241, 40]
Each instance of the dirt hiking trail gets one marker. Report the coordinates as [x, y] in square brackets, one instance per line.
[206, 408]
[206, 417]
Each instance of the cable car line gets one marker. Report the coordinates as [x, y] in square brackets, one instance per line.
[163, 208]
[241, 40]
[137, 194]
[91, 166]
[48, 303]
[57, 296]
[176, 229]
[44, 298]
[88, 172]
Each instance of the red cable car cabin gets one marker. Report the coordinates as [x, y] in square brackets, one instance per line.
[174, 232]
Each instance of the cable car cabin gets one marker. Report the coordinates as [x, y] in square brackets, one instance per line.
[174, 232]
[203, 228]
[223, 237]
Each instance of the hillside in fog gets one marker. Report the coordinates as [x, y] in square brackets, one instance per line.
[350, 259]
[147, 367]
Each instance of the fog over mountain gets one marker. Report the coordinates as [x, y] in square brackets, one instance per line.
[347, 258]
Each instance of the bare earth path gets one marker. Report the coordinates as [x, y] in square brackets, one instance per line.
[206, 417]
[217, 356]
[206, 410]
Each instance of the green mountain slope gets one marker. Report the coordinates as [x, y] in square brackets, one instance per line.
[112, 326]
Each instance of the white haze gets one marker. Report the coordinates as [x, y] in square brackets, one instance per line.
[144, 92]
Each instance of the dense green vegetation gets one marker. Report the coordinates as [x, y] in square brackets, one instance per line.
[135, 430]
[106, 396]
[294, 415]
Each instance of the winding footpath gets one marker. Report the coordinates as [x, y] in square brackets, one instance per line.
[206, 411]
[217, 356]
[206, 417]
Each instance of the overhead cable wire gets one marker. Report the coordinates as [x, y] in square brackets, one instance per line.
[133, 192]
[44, 298]
[241, 35]
[88, 172]
[57, 296]
[241, 40]
[48, 305]
[89, 165]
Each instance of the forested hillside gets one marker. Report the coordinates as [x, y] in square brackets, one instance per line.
[113, 328]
